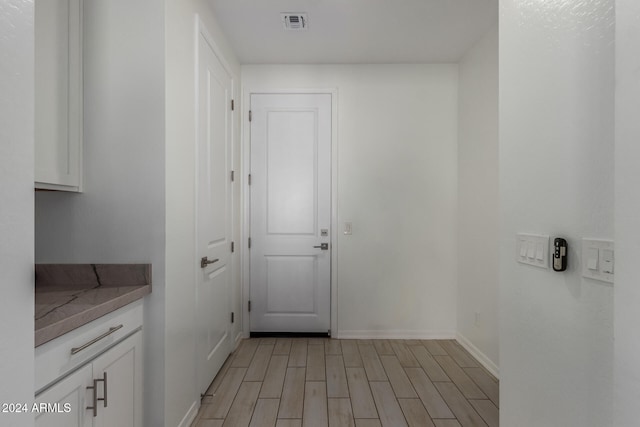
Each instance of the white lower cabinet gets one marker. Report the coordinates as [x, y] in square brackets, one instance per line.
[119, 375]
[111, 383]
[63, 405]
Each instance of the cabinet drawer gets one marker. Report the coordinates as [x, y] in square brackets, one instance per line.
[54, 359]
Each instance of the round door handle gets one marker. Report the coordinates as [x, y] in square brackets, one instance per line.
[204, 261]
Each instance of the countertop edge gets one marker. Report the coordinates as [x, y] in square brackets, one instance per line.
[52, 331]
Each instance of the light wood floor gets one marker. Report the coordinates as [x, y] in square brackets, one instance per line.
[287, 382]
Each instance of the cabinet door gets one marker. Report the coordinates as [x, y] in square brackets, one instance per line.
[123, 386]
[58, 94]
[64, 404]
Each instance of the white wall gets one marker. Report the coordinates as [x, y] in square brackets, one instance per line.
[120, 216]
[556, 177]
[397, 183]
[182, 398]
[16, 214]
[627, 176]
[478, 226]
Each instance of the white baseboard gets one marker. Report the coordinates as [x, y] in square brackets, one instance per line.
[238, 339]
[396, 335]
[480, 356]
[190, 416]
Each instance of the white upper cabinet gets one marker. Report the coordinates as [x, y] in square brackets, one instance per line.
[58, 95]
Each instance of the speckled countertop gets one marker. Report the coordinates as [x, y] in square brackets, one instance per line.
[71, 295]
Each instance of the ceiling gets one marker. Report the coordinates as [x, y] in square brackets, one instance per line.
[355, 31]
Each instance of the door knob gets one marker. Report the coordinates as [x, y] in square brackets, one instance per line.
[204, 261]
[323, 246]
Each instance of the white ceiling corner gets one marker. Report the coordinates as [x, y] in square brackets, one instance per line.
[355, 31]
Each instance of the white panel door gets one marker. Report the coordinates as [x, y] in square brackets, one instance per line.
[213, 303]
[290, 212]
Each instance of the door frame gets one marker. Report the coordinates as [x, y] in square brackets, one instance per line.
[245, 255]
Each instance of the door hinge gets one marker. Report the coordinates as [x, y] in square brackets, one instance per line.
[233, 247]
[233, 176]
[232, 317]
[249, 179]
[249, 305]
[250, 115]
[233, 105]
[249, 242]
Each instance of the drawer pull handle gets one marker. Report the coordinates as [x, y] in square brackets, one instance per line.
[111, 330]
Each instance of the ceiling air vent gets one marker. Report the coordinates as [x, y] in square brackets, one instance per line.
[295, 21]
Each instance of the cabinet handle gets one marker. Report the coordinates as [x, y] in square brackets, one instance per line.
[95, 394]
[95, 399]
[111, 330]
[104, 380]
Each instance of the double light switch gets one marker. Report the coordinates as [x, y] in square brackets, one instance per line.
[598, 259]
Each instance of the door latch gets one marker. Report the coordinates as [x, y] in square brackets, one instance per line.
[323, 246]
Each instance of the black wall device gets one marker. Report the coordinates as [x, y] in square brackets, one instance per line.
[559, 254]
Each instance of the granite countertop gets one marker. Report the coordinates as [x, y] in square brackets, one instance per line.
[71, 295]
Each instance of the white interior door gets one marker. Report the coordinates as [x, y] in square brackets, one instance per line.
[214, 224]
[290, 213]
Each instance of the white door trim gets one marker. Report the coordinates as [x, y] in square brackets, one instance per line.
[246, 196]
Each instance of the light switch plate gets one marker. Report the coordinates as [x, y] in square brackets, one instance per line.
[348, 228]
[532, 249]
[598, 259]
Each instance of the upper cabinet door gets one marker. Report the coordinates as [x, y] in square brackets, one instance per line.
[58, 95]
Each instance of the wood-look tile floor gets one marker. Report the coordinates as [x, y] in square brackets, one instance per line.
[287, 382]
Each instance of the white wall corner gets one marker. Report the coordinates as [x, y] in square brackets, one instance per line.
[478, 198]
[191, 415]
[484, 360]
[239, 337]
